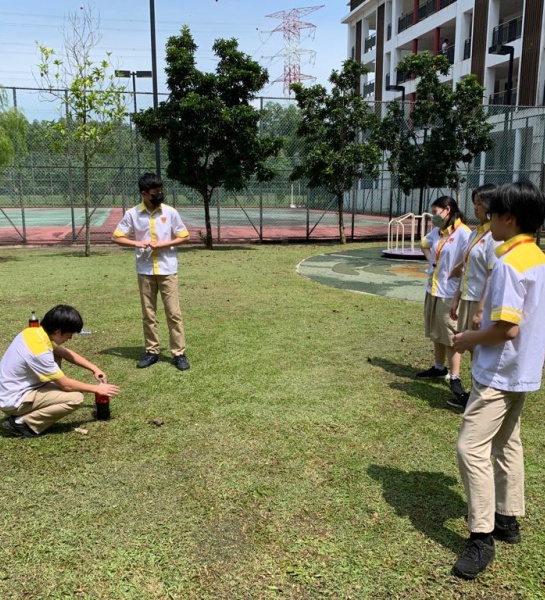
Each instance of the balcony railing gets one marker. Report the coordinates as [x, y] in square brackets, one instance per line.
[369, 88]
[402, 77]
[449, 53]
[507, 32]
[467, 49]
[387, 80]
[502, 99]
[389, 32]
[425, 10]
[370, 42]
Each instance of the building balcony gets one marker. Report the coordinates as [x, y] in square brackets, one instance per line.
[370, 42]
[368, 89]
[507, 32]
[502, 98]
[425, 10]
[467, 49]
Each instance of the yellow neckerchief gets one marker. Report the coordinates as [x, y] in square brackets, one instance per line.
[510, 244]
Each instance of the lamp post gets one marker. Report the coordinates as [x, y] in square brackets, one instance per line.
[134, 75]
[154, 80]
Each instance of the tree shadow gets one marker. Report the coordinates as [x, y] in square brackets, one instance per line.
[426, 499]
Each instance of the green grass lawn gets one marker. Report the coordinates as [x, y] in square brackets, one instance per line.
[299, 457]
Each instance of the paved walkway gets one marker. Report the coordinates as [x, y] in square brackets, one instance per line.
[365, 270]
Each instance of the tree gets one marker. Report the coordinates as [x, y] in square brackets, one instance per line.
[336, 129]
[445, 130]
[13, 127]
[211, 130]
[94, 104]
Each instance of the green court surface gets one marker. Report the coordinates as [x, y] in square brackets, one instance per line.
[365, 270]
[51, 217]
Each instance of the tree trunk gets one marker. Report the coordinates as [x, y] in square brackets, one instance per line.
[86, 202]
[340, 210]
[206, 196]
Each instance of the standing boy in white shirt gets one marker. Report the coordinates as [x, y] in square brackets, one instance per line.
[155, 230]
[509, 352]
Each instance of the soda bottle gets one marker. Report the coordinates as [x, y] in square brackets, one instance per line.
[33, 321]
[102, 404]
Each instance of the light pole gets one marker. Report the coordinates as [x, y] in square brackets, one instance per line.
[134, 75]
[154, 80]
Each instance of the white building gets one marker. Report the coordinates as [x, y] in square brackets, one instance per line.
[502, 42]
[477, 32]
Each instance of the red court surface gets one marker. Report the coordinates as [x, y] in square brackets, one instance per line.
[319, 225]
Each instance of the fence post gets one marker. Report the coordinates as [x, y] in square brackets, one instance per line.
[20, 177]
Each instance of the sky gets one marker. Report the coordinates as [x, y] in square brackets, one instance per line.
[125, 32]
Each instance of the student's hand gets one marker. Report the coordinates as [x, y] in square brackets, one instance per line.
[99, 375]
[108, 389]
[462, 342]
[477, 319]
[143, 244]
[453, 312]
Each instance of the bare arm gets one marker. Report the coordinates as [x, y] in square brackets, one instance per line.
[479, 314]
[496, 333]
[427, 253]
[66, 384]
[177, 241]
[125, 241]
[78, 360]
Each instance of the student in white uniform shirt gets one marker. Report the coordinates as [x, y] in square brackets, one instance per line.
[155, 231]
[34, 391]
[476, 269]
[508, 356]
[443, 247]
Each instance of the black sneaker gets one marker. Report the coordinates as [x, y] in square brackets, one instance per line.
[507, 532]
[474, 559]
[457, 387]
[459, 402]
[18, 429]
[181, 362]
[432, 373]
[146, 360]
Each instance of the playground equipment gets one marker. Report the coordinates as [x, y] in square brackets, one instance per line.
[403, 228]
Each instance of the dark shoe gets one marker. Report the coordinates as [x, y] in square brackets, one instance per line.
[181, 362]
[146, 360]
[457, 387]
[474, 559]
[18, 429]
[432, 373]
[507, 532]
[459, 402]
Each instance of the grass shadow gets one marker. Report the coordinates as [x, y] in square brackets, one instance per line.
[128, 352]
[426, 498]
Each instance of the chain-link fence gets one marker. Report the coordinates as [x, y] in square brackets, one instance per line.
[42, 199]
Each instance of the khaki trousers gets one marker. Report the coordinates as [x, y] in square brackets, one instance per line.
[167, 285]
[491, 426]
[45, 406]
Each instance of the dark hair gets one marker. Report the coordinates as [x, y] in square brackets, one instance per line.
[62, 318]
[455, 212]
[149, 181]
[485, 193]
[522, 200]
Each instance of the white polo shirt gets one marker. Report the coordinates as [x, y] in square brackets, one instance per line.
[479, 260]
[27, 365]
[446, 250]
[162, 224]
[516, 294]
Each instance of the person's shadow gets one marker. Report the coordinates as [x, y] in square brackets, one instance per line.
[129, 352]
[426, 498]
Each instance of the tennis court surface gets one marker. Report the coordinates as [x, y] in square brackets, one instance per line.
[66, 225]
